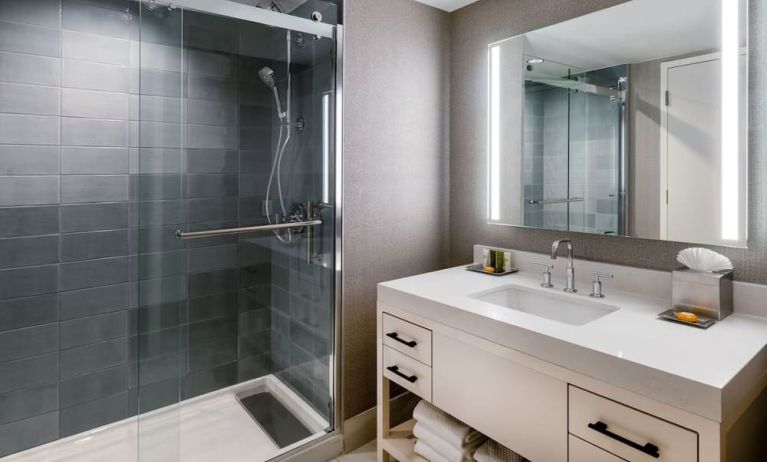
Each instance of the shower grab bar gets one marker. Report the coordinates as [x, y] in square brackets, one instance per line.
[555, 201]
[247, 229]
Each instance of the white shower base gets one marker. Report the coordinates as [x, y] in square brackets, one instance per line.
[206, 428]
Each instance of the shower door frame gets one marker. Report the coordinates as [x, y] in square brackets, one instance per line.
[331, 444]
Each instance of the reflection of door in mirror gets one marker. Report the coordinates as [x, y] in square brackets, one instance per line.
[694, 195]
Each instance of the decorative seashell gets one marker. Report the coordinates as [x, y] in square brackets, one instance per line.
[700, 259]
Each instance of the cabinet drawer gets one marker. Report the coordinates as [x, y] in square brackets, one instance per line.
[627, 432]
[407, 338]
[581, 451]
[407, 372]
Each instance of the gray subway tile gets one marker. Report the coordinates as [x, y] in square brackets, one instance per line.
[212, 282]
[163, 290]
[159, 187]
[28, 433]
[28, 342]
[28, 251]
[152, 160]
[27, 373]
[210, 185]
[94, 160]
[94, 47]
[27, 312]
[91, 245]
[27, 38]
[30, 190]
[29, 99]
[212, 89]
[209, 210]
[212, 137]
[211, 112]
[94, 329]
[93, 132]
[212, 161]
[25, 282]
[93, 386]
[29, 160]
[78, 361]
[160, 109]
[28, 129]
[94, 76]
[94, 104]
[27, 403]
[93, 273]
[94, 188]
[212, 258]
[160, 135]
[93, 217]
[85, 17]
[94, 301]
[161, 264]
[159, 213]
[40, 12]
[29, 69]
[212, 64]
[161, 83]
[161, 57]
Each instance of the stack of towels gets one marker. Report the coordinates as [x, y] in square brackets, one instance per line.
[443, 438]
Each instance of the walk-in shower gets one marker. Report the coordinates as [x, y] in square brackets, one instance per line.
[574, 148]
[169, 229]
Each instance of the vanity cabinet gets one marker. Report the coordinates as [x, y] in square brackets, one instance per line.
[544, 412]
[512, 404]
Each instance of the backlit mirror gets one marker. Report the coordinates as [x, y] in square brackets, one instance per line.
[628, 121]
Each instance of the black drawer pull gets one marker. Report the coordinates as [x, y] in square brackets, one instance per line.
[410, 343]
[409, 378]
[649, 448]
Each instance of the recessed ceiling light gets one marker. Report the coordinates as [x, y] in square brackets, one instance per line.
[534, 61]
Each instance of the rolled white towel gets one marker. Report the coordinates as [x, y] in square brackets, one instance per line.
[492, 451]
[427, 452]
[452, 430]
[448, 451]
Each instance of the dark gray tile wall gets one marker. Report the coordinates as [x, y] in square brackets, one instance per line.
[113, 134]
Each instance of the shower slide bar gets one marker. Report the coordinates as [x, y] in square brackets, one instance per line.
[244, 230]
[555, 201]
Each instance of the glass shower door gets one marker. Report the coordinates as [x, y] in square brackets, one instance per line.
[236, 328]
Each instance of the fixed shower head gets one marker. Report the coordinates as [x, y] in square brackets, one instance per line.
[267, 76]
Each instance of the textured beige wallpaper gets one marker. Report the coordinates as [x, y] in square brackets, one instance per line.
[486, 21]
[395, 166]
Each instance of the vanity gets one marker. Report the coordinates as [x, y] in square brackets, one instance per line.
[561, 376]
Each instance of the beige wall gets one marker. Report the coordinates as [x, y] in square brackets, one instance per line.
[486, 21]
[395, 166]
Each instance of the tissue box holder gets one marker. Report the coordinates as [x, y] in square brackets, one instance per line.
[703, 293]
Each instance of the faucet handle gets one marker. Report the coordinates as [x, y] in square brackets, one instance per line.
[596, 284]
[546, 282]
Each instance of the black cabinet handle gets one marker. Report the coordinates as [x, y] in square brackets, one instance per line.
[649, 448]
[410, 343]
[409, 378]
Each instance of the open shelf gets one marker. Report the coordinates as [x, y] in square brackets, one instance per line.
[400, 443]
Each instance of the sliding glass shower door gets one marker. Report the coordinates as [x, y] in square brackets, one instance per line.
[236, 235]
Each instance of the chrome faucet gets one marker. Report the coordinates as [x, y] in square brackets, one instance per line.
[570, 285]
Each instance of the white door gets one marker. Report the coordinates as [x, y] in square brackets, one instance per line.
[693, 150]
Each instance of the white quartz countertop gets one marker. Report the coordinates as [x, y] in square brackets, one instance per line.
[706, 372]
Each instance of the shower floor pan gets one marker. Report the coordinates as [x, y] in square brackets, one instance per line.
[216, 426]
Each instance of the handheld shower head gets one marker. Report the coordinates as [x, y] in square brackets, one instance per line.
[267, 76]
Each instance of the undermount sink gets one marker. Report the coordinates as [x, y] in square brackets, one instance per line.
[567, 308]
